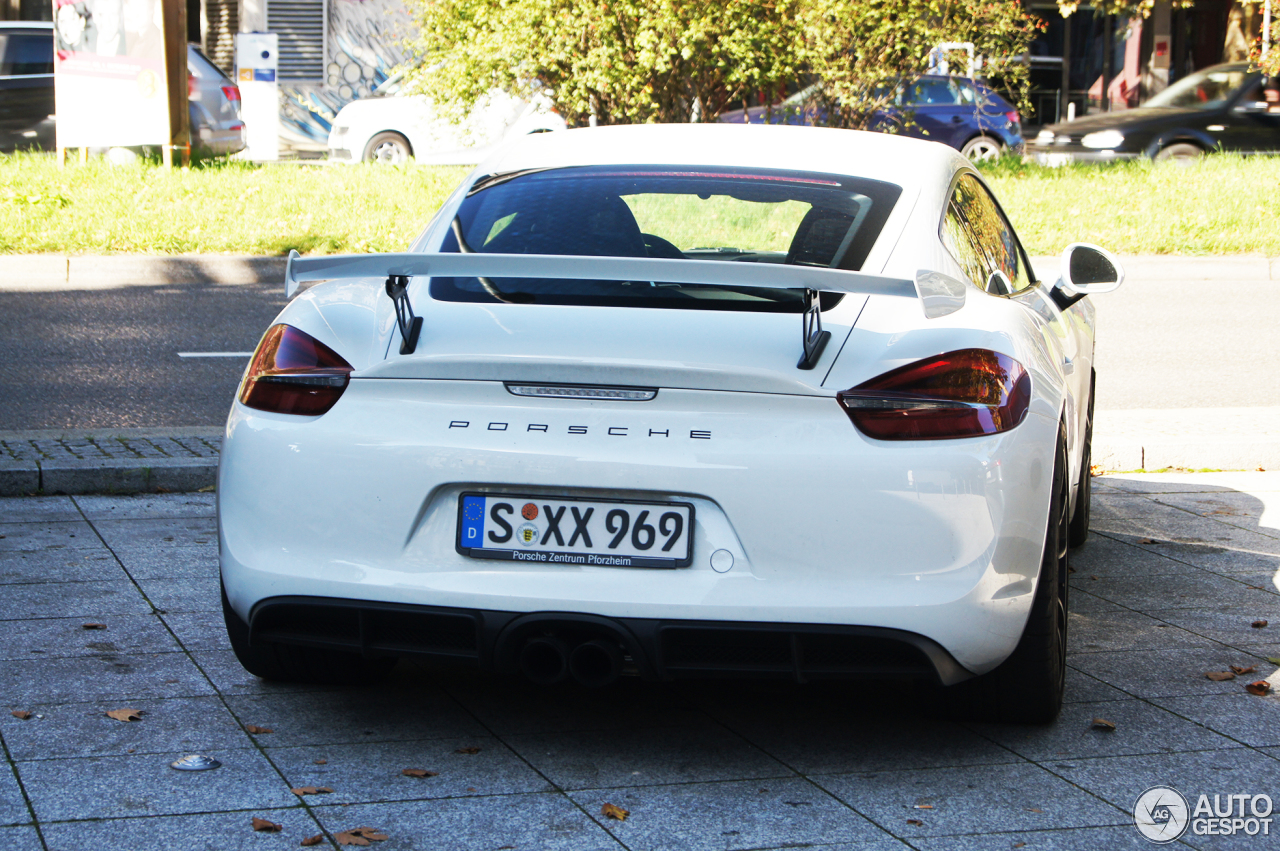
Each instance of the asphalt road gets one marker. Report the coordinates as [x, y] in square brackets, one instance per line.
[92, 358]
[95, 358]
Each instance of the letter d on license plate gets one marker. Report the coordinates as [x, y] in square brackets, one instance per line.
[585, 532]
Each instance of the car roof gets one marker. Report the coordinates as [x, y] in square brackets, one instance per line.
[895, 159]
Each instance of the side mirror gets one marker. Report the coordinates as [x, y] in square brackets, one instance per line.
[1086, 270]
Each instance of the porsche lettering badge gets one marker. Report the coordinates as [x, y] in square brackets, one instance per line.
[612, 431]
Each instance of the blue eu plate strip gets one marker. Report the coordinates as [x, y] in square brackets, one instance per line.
[472, 521]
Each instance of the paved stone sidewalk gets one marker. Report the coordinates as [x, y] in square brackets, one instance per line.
[1167, 588]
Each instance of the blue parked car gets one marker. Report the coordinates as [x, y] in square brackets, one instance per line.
[957, 111]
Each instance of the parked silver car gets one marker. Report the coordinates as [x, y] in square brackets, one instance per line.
[214, 106]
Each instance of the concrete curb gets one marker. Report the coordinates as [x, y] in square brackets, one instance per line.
[45, 461]
[130, 460]
[53, 271]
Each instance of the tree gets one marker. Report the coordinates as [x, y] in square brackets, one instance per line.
[621, 61]
[626, 61]
[860, 51]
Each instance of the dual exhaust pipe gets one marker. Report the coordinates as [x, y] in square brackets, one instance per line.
[546, 660]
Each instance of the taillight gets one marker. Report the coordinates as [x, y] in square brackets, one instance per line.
[191, 86]
[959, 394]
[1013, 117]
[294, 373]
[233, 93]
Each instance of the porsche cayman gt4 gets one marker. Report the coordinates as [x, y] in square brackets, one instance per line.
[675, 401]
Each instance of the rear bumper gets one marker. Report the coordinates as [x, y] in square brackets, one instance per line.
[656, 649]
[940, 539]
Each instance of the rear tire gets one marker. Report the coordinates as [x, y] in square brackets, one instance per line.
[287, 663]
[981, 148]
[1183, 152]
[1079, 532]
[1028, 687]
[388, 149]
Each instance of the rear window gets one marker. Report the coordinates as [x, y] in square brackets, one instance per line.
[746, 216]
[199, 66]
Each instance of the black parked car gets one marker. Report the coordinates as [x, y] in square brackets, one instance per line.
[1222, 108]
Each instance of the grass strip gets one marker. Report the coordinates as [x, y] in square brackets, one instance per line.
[1222, 204]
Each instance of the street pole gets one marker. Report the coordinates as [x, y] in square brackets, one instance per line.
[175, 65]
[1107, 27]
[1066, 68]
[1266, 28]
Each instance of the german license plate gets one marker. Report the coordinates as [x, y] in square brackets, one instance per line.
[587, 532]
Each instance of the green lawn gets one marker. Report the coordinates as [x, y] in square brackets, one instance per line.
[222, 207]
[1221, 205]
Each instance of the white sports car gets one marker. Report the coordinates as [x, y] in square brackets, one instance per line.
[392, 127]
[675, 401]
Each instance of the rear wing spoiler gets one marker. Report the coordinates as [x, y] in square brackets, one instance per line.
[939, 294]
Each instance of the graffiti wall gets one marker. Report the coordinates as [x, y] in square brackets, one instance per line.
[363, 48]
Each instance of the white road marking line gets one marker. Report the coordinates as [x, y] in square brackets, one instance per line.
[215, 354]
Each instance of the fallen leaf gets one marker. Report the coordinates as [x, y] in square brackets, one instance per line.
[312, 840]
[322, 762]
[20, 714]
[311, 790]
[1258, 624]
[162, 489]
[1018, 845]
[924, 806]
[125, 714]
[916, 822]
[1237, 669]
[1220, 676]
[472, 789]
[1034, 810]
[614, 812]
[470, 750]
[1261, 688]
[1148, 541]
[93, 626]
[263, 826]
[1274, 660]
[360, 836]
[254, 728]
[1093, 577]
[419, 772]
[211, 489]
[1104, 725]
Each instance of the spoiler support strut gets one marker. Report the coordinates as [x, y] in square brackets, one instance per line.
[410, 325]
